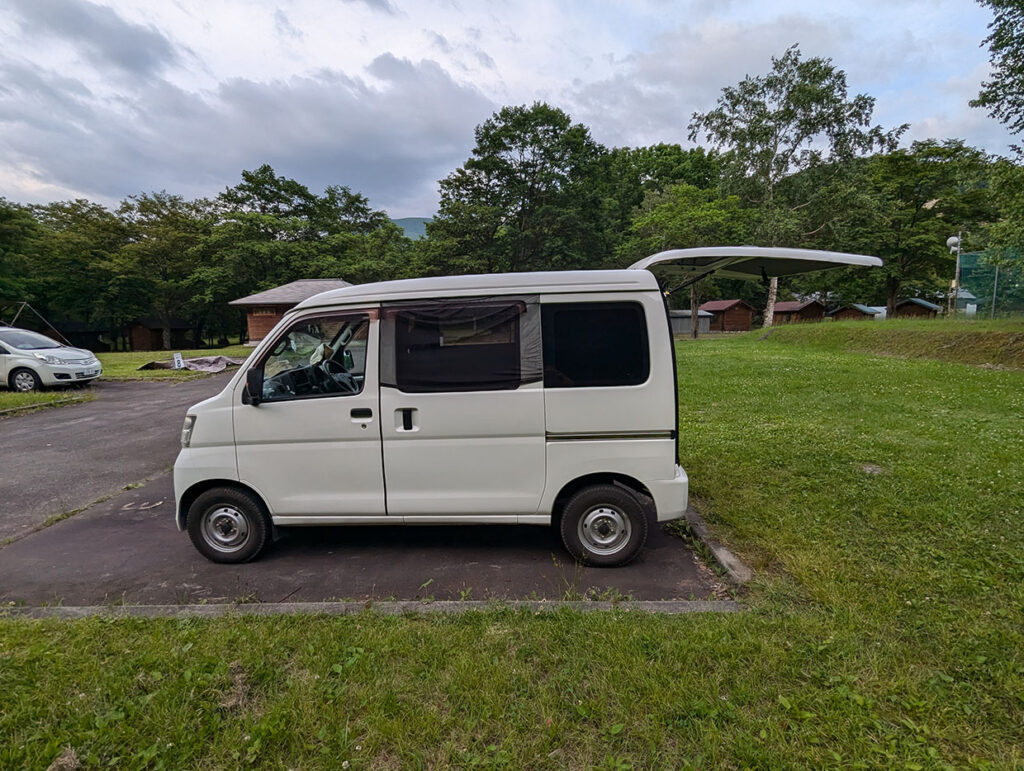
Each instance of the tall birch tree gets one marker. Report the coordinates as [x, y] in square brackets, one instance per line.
[796, 117]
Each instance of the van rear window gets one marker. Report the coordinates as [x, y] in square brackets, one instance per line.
[587, 345]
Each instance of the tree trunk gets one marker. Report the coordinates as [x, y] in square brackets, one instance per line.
[892, 293]
[769, 308]
[166, 336]
[694, 318]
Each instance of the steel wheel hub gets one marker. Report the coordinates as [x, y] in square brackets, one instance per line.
[225, 529]
[604, 530]
[24, 381]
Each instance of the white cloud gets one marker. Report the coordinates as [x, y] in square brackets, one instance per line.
[106, 98]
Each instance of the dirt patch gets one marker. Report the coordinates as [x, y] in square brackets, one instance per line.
[66, 761]
[237, 696]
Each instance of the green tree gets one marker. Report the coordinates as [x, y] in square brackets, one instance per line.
[1005, 251]
[19, 239]
[686, 216]
[525, 200]
[165, 233]
[1003, 95]
[919, 197]
[629, 174]
[1008, 190]
[75, 260]
[270, 230]
[778, 127]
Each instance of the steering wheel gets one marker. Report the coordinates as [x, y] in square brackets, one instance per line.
[336, 371]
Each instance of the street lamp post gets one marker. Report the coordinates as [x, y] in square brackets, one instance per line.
[954, 244]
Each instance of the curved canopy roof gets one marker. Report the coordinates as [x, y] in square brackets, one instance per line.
[750, 262]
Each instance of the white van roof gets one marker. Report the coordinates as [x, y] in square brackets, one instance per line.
[566, 281]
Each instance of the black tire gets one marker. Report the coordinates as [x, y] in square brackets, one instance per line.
[24, 380]
[228, 525]
[604, 526]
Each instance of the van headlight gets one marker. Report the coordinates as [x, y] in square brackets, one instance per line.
[186, 430]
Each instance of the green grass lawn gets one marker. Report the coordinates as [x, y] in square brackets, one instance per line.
[125, 366]
[880, 500]
[998, 343]
[11, 400]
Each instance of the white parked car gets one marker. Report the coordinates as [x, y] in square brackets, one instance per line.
[30, 361]
[529, 398]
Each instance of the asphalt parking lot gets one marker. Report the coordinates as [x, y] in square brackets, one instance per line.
[61, 459]
[126, 548]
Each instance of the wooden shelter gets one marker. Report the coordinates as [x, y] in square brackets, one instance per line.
[729, 315]
[264, 309]
[852, 312]
[148, 334]
[915, 307]
[798, 311]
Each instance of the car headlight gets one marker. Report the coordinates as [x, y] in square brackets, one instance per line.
[186, 430]
[49, 359]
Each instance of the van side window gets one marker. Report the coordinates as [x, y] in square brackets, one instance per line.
[594, 344]
[320, 356]
[475, 344]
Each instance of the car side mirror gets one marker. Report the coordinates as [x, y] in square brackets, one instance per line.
[253, 393]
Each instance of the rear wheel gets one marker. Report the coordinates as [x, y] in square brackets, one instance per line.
[604, 526]
[228, 525]
[25, 380]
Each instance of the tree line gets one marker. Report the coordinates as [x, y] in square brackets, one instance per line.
[786, 158]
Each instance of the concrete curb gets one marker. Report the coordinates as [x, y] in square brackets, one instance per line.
[738, 573]
[388, 608]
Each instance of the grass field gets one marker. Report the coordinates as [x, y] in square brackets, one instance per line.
[880, 500]
[998, 343]
[125, 366]
[12, 400]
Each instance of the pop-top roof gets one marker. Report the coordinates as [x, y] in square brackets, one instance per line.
[751, 262]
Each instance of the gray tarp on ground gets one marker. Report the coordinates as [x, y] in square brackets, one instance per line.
[198, 364]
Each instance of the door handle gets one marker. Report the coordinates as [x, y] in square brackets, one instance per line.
[361, 413]
[404, 419]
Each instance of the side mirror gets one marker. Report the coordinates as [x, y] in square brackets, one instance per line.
[253, 393]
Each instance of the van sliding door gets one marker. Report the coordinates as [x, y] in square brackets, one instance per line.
[462, 408]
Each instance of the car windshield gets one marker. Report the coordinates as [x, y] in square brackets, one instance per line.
[24, 340]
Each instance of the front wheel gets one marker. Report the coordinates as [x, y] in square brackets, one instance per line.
[604, 526]
[25, 380]
[228, 525]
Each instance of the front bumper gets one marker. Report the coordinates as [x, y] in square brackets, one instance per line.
[67, 374]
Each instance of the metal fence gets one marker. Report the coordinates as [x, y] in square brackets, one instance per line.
[991, 284]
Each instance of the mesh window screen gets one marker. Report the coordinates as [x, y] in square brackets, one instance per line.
[466, 344]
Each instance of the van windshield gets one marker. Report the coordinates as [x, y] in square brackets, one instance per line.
[24, 340]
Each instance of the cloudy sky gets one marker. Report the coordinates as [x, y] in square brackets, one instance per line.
[102, 99]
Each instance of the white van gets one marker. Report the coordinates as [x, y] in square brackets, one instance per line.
[528, 398]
